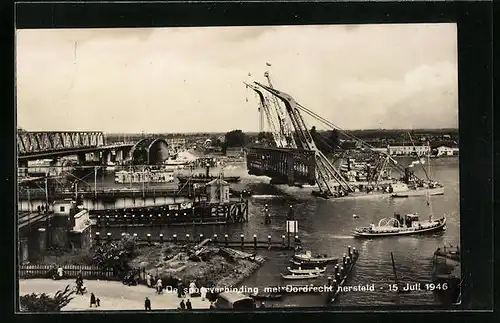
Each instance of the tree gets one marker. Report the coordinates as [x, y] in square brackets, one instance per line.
[333, 138]
[115, 255]
[266, 138]
[236, 138]
[45, 303]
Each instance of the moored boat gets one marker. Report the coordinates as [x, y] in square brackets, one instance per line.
[402, 225]
[409, 224]
[446, 274]
[300, 270]
[301, 276]
[304, 264]
[307, 257]
[403, 190]
[266, 296]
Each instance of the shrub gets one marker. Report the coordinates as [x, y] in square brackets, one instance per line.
[45, 303]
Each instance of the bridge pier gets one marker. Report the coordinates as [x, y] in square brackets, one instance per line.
[82, 158]
[22, 168]
[105, 157]
[23, 250]
[119, 155]
[42, 239]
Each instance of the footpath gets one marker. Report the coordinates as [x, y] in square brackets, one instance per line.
[113, 295]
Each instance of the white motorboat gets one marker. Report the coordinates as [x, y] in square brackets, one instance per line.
[301, 276]
[301, 270]
[307, 257]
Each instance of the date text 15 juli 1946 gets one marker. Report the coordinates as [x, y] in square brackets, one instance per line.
[418, 286]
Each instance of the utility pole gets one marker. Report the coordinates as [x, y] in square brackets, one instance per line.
[95, 181]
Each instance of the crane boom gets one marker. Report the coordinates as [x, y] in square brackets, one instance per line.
[277, 136]
[285, 127]
[325, 170]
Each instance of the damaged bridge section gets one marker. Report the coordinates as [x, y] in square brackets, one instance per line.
[283, 165]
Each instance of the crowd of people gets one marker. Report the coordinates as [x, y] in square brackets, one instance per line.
[182, 292]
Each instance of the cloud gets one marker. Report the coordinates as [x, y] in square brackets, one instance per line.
[190, 79]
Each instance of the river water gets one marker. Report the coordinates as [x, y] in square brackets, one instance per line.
[325, 227]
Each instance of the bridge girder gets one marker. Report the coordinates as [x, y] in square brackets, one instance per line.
[283, 165]
[32, 142]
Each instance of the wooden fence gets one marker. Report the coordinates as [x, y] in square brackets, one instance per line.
[69, 271]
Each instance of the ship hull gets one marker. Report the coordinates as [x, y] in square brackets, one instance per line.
[229, 179]
[421, 192]
[439, 227]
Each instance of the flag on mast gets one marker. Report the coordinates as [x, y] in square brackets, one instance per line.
[268, 64]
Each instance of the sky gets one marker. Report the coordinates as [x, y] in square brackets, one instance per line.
[172, 80]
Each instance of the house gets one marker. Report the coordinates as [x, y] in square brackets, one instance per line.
[409, 150]
[446, 151]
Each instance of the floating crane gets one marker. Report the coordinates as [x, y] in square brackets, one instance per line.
[292, 132]
[278, 135]
[325, 171]
[286, 128]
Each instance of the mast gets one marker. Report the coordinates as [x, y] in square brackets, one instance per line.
[429, 160]
[394, 271]
[429, 205]
[419, 161]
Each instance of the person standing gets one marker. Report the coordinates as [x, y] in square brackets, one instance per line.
[148, 280]
[182, 305]
[290, 215]
[98, 302]
[147, 304]
[192, 289]
[92, 299]
[159, 286]
[60, 272]
[188, 305]
[203, 292]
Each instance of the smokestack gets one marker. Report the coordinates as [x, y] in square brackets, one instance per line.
[208, 170]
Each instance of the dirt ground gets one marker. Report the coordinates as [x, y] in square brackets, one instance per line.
[215, 271]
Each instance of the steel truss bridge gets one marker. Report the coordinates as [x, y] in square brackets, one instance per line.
[33, 145]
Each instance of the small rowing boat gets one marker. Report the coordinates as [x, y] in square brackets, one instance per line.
[303, 276]
[301, 270]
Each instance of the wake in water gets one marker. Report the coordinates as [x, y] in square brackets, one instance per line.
[342, 237]
[266, 196]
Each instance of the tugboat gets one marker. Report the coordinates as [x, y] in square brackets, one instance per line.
[398, 225]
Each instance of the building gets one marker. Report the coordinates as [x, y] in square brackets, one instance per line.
[409, 150]
[446, 151]
[176, 144]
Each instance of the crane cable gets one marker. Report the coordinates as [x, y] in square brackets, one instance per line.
[332, 125]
